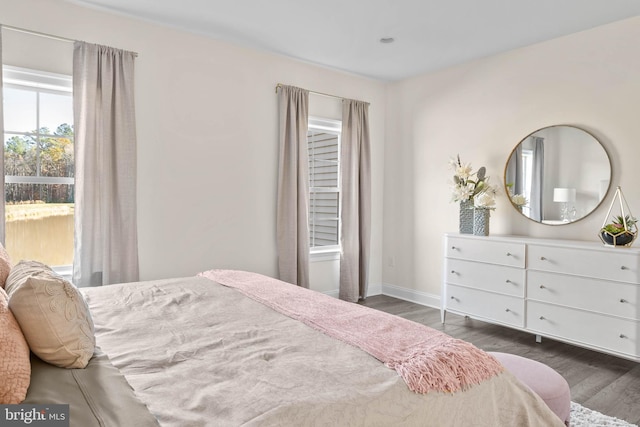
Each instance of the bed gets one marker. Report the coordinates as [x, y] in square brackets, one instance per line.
[196, 351]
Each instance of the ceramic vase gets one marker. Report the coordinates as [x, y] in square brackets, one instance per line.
[481, 221]
[466, 216]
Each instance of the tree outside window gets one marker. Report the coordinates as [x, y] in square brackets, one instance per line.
[39, 166]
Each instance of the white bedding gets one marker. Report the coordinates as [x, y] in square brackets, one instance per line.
[200, 354]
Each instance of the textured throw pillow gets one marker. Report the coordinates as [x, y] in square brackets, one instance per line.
[15, 367]
[5, 266]
[53, 315]
[25, 269]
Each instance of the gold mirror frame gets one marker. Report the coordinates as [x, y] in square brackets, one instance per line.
[570, 181]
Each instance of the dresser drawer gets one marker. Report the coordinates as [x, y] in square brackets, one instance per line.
[609, 264]
[581, 327]
[614, 298]
[489, 251]
[490, 277]
[499, 308]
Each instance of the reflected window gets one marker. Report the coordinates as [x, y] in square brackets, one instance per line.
[527, 177]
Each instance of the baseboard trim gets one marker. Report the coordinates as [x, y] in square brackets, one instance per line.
[335, 293]
[411, 295]
[422, 298]
[374, 289]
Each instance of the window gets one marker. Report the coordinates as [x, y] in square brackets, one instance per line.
[39, 166]
[324, 185]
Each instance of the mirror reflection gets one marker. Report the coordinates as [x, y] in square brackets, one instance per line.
[557, 175]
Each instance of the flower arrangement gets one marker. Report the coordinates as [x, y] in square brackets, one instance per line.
[476, 196]
[519, 200]
[468, 184]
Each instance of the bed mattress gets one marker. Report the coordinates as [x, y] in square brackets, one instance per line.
[197, 353]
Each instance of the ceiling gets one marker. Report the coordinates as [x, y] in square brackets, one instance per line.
[344, 34]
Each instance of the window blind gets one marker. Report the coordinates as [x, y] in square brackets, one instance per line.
[324, 190]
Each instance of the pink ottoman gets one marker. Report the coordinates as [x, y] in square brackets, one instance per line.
[542, 380]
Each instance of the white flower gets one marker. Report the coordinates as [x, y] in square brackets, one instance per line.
[464, 171]
[486, 200]
[519, 200]
[462, 192]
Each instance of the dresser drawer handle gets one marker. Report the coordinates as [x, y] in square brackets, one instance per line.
[454, 248]
[542, 287]
[623, 268]
[623, 336]
[509, 254]
[622, 300]
[541, 317]
[453, 272]
[508, 281]
[507, 310]
[542, 258]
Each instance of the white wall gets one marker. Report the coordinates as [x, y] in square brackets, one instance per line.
[481, 110]
[207, 138]
[207, 135]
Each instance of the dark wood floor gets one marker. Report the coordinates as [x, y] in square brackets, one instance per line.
[605, 383]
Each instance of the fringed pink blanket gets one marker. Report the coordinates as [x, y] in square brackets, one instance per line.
[427, 360]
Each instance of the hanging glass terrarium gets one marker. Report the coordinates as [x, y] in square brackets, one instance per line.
[621, 230]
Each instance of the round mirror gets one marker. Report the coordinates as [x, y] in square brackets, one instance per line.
[557, 175]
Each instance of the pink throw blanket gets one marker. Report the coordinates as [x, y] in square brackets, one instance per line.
[427, 360]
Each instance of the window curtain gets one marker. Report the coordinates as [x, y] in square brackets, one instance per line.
[537, 178]
[106, 242]
[292, 226]
[355, 200]
[2, 200]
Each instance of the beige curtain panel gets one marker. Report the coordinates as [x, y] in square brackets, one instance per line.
[2, 216]
[106, 242]
[292, 225]
[356, 200]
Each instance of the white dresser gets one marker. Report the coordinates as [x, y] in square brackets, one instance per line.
[579, 292]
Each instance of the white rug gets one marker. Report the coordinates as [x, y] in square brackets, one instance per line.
[585, 417]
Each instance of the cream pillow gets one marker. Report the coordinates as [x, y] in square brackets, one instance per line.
[15, 367]
[25, 269]
[53, 315]
[5, 266]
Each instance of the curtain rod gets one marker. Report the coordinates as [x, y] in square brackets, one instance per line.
[45, 35]
[36, 33]
[314, 92]
[319, 93]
